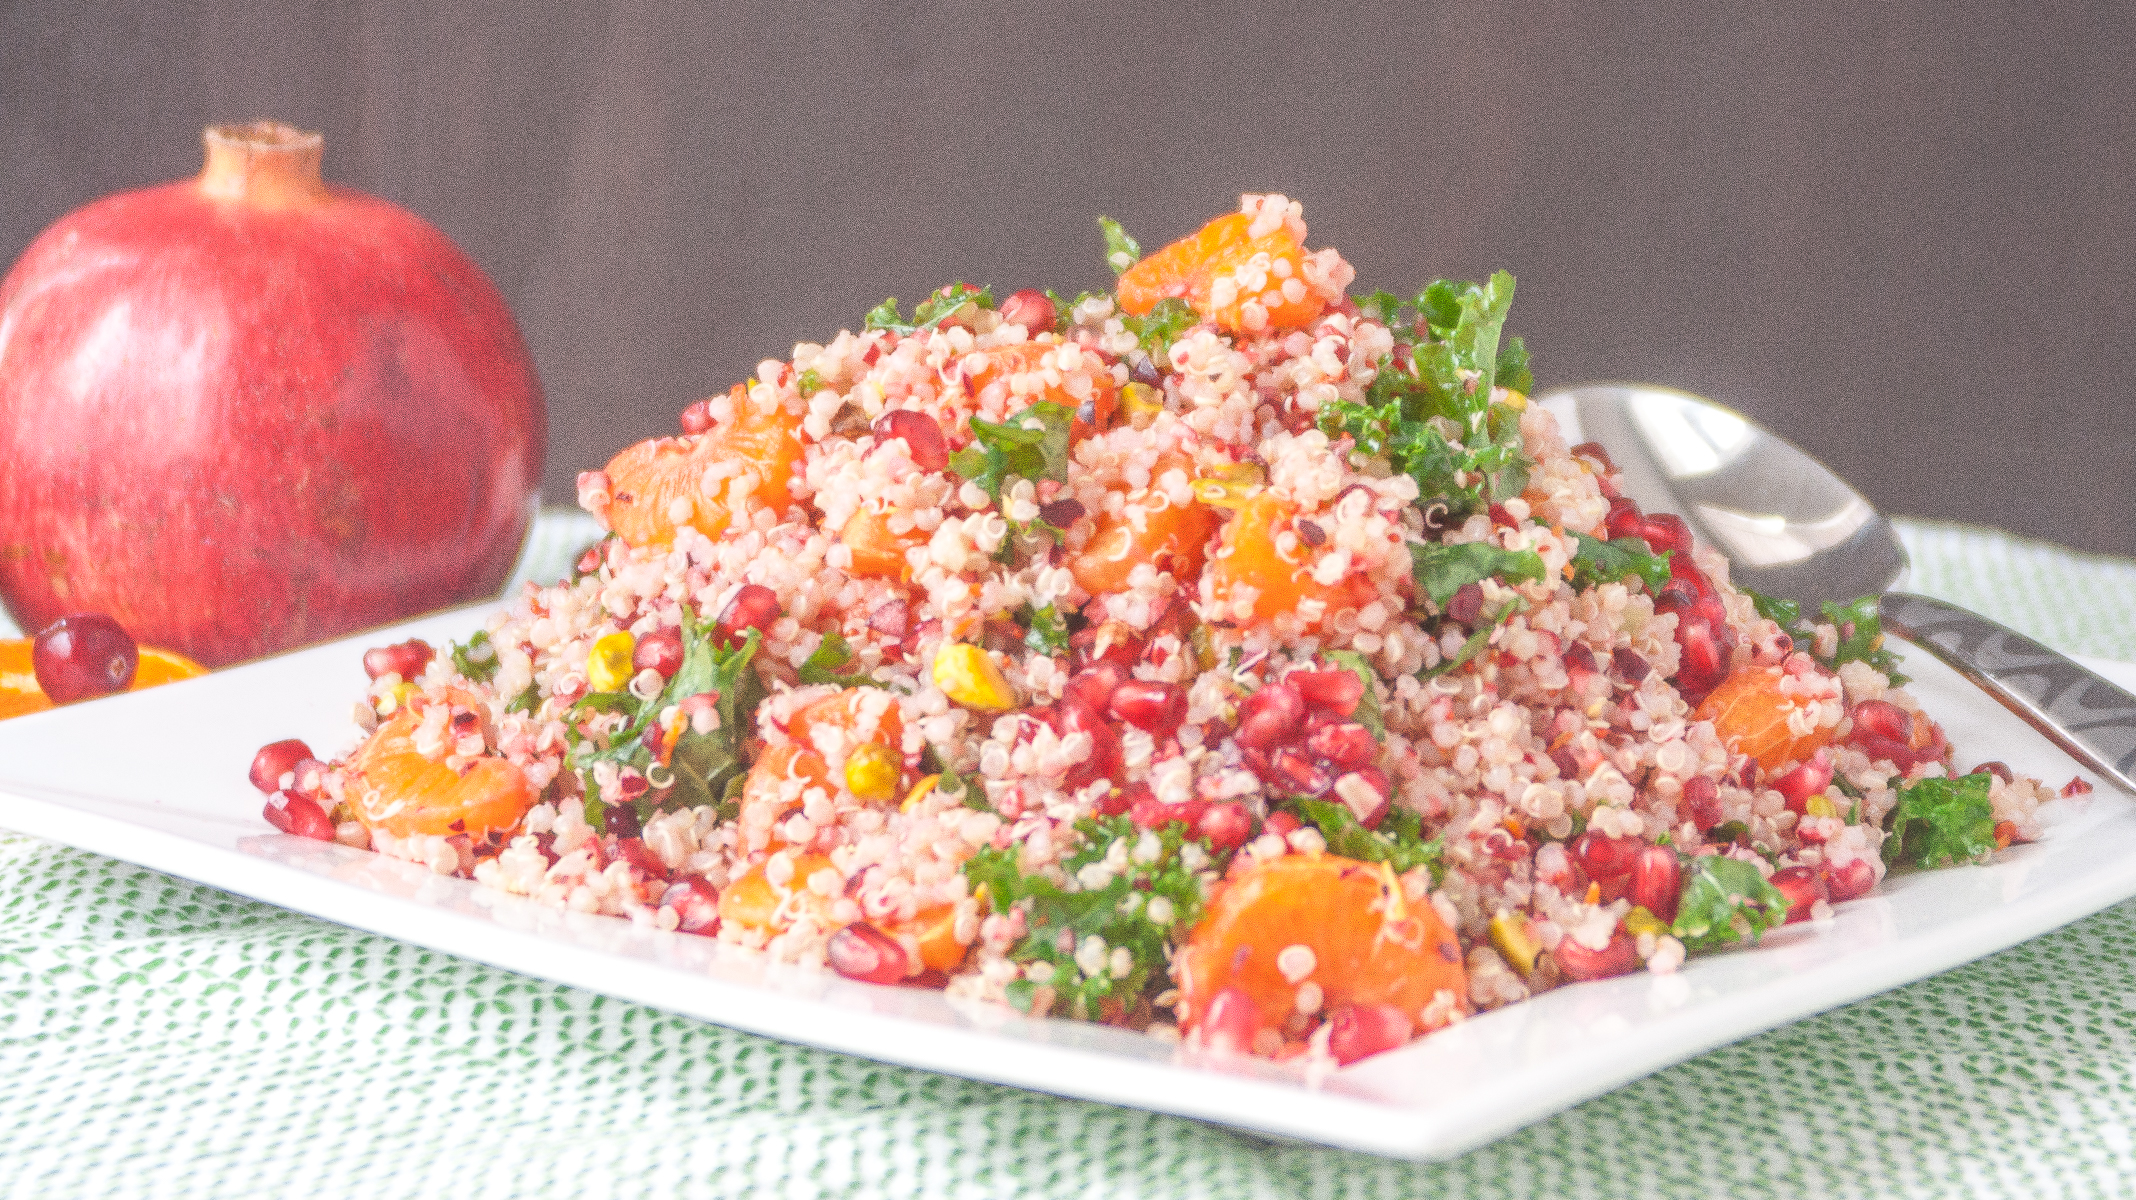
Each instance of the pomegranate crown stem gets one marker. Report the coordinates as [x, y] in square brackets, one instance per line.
[266, 164]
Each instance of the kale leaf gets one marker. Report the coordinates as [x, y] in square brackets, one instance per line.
[1476, 641]
[1121, 251]
[825, 664]
[477, 659]
[1399, 841]
[1598, 562]
[1045, 631]
[1941, 821]
[1032, 445]
[930, 312]
[1441, 570]
[1717, 891]
[1861, 631]
[1161, 326]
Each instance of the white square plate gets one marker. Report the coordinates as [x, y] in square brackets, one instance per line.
[158, 778]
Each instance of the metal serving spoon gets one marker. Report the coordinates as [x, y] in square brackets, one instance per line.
[1793, 529]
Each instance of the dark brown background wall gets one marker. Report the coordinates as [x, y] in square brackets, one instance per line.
[1897, 232]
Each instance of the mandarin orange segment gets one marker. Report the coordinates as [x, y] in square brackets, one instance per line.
[754, 902]
[1750, 713]
[1255, 553]
[878, 551]
[394, 788]
[1031, 373]
[1150, 529]
[20, 695]
[658, 486]
[869, 714]
[1241, 282]
[775, 769]
[935, 929]
[1366, 945]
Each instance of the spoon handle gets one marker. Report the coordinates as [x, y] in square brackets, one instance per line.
[2076, 709]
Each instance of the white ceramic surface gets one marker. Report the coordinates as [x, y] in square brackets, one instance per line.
[158, 778]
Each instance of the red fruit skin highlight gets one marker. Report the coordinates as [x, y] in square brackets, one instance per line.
[249, 411]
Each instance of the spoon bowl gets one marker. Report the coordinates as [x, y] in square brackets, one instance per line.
[1788, 524]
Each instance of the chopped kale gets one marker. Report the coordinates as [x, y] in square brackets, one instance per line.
[1725, 900]
[1399, 841]
[1476, 641]
[930, 312]
[1861, 631]
[1441, 570]
[808, 383]
[827, 662]
[1613, 561]
[476, 660]
[1045, 632]
[1032, 445]
[1940, 821]
[1121, 251]
[1161, 326]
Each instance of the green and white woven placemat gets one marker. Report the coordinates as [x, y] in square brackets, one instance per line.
[158, 1038]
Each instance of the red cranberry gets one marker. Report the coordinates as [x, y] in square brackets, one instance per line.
[1807, 780]
[697, 418]
[1337, 691]
[1061, 513]
[1568, 766]
[861, 951]
[1701, 803]
[1626, 662]
[1579, 660]
[1801, 887]
[1345, 744]
[1155, 708]
[633, 851]
[1620, 957]
[753, 607]
[696, 902]
[406, 659]
[81, 656]
[1032, 309]
[1361, 1030]
[1270, 717]
[1231, 1023]
[1850, 882]
[622, 819]
[1604, 857]
[1226, 825]
[660, 650]
[299, 815]
[1465, 606]
[923, 437]
[1657, 881]
[275, 760]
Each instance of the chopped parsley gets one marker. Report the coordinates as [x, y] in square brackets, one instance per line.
[477, 659]
[1031, 445]
[1725, 900]
[1939, 822]
[1616, 560]
[1045, 630]
[1861, 631]
[808, 383]
[827, 662]
[1161, 326]
[1476, 641]
[1441, 570]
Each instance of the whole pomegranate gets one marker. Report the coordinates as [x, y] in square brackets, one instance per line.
[248, 411]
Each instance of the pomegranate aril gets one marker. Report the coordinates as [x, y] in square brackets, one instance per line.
[1809, 779]
[753, 607]
[1032, 309]
[1115, 802]
[1232, 1022]
[405, 659]
[695, 902]
[1850, 881]
[275, 760]
[1271, 717]
[1226, 825]
[1625, 519]
[1602, 856]
[1619, 957]
[1148, 812]
[1110, 642]
[1156, 708]
[1188, 812]
[1300, 774]
[298, 815]
[1706, 652]
[1657, 882]
[892, 620]
[1358, 1031]
[1666, 532]
[622, 820]
[1596, 454]
[1701, 802]
[633, 851]
[82, 656]
[660, 650]
[1282, 824]
[861, 951]
[1338, 691]
[697, 418]
[923, 437]
[1345, 745]
[1800, 886]
[1367, 793]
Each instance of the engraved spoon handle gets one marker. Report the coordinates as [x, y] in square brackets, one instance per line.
[2076, 709]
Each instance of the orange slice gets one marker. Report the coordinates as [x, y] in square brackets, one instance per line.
[20, 695]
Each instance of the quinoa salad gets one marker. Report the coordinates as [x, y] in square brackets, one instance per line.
[1234, 656]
